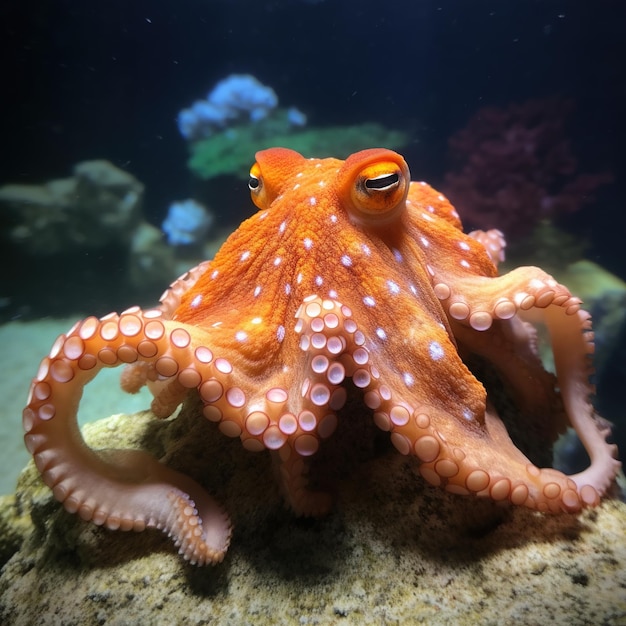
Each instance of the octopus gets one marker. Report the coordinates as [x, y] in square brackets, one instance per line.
[349, 277]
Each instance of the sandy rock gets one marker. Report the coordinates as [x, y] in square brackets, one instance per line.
[393, 551]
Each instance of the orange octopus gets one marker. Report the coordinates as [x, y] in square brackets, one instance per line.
[348, 272]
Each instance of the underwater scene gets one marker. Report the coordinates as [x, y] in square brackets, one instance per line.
[324, 300]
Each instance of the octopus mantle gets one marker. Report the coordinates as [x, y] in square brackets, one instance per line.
[349, 274]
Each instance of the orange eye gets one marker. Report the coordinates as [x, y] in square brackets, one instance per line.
[379, 190]
[255, 184]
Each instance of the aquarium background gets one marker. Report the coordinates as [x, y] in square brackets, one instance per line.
[107, 81]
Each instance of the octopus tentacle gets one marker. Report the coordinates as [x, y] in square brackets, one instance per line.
[536, 296]
[493, 241]
[333, 351]
[125, 489]
[477, 300]
[136, 375]
[477, 458]
[572, 343]
[510, 347]
[170, 299]
[292, 470]
[483, 462]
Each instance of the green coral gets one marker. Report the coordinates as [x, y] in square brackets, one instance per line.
[232, 150]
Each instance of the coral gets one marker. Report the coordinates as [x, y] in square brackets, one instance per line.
[239, 97]
[79, 239]
[241, 116]
[187, 223]
[99, 205]
[228, 152]
[549, 247]
[515, 166]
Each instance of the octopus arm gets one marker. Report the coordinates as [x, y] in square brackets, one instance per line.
[509, 348]
[120, 489]
[480, 460]
[493, 241]
[470, 454]
[572, 344]
[477, 301]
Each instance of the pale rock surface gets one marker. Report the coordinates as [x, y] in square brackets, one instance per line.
[393, 551]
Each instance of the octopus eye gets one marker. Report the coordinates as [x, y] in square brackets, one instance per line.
[384, 181]
[379, 191]
[255, 185]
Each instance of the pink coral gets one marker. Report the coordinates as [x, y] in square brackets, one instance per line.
[515, 167]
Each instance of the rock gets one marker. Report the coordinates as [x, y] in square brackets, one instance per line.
[100, 205]
[151, 262]
[393, 551]
[79, 244]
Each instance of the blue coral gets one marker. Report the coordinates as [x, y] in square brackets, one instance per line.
[239, 96]
[187, 223]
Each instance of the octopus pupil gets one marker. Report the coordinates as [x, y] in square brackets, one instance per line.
[382, 182]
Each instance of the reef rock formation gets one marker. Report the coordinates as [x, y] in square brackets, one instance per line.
[79, 239]
[394, 550]
[99, 205]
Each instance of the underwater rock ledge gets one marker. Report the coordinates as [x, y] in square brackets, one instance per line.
[393, 550]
